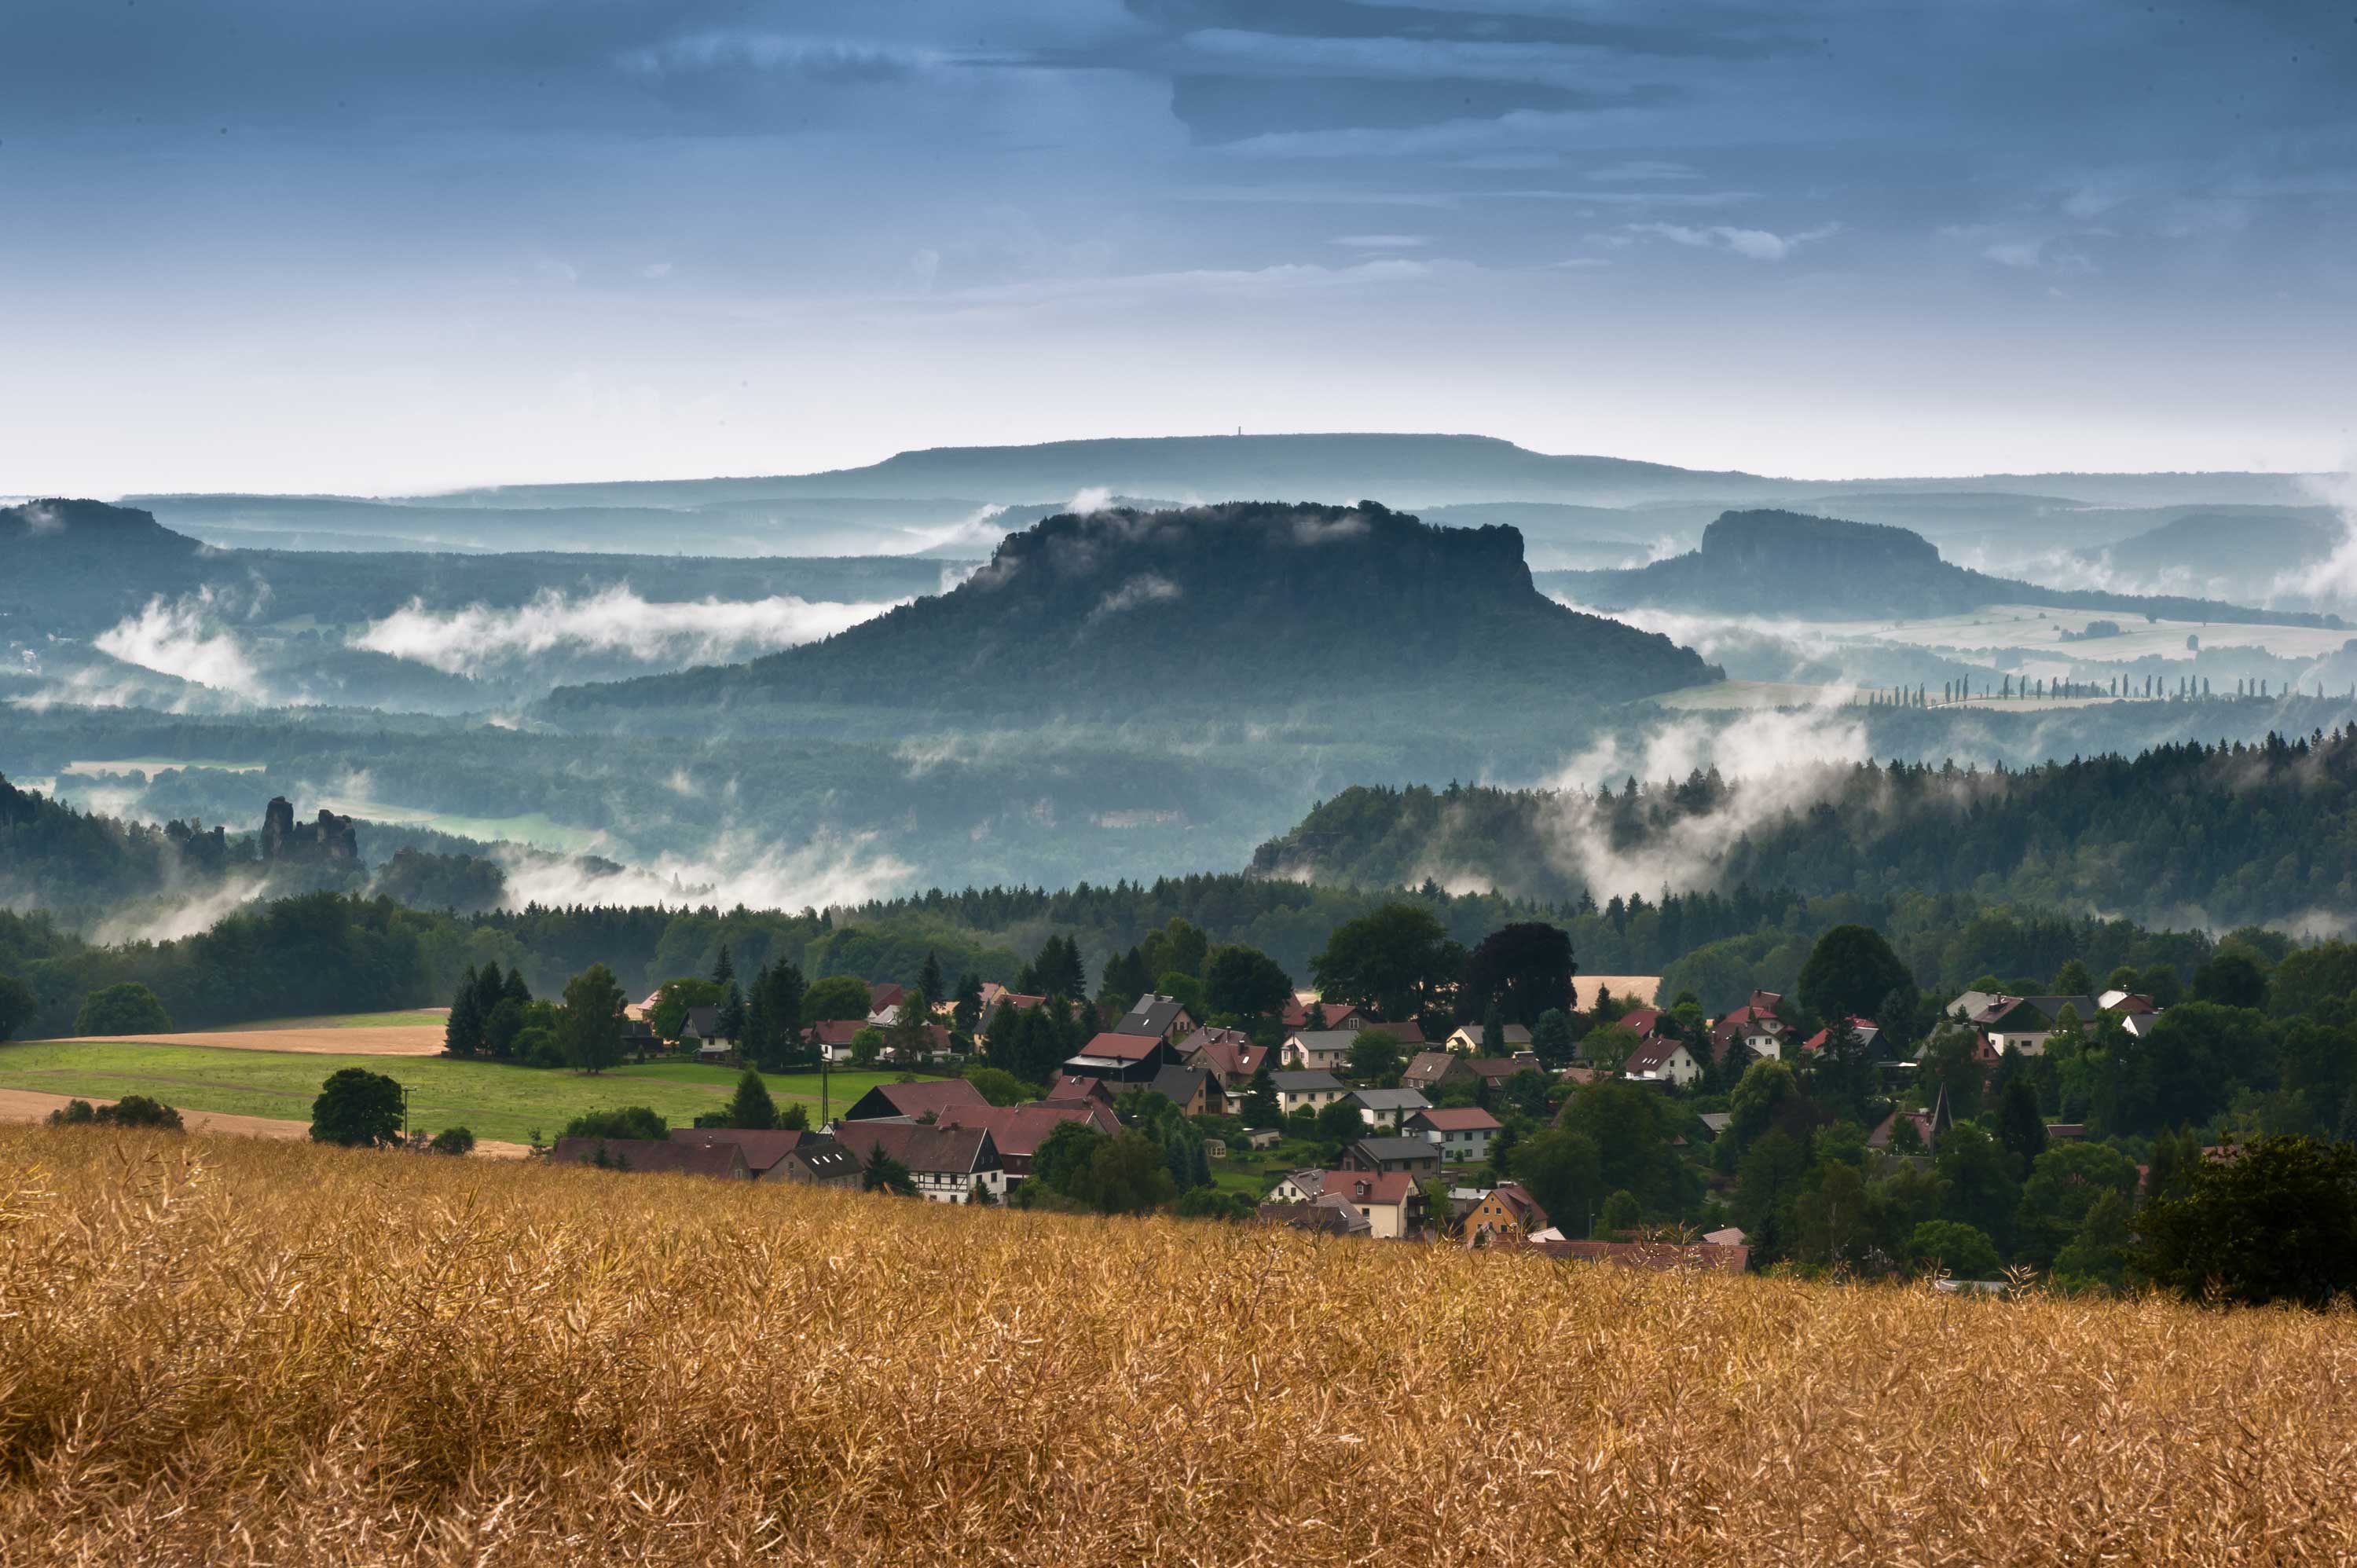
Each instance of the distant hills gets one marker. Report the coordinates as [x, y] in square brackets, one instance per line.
[1236, 608]
[1781, 564]
[2238, 551]
[915, 501]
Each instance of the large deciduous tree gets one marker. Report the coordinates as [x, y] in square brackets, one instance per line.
[1244, 982]
[1525, 969]
[1396, 960]
[589, 1025]
[357, 1108]
[1852, 972]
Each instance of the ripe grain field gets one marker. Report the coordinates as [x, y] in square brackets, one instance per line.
[221, 1350]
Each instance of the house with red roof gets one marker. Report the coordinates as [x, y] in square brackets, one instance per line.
[911, 1101]
[1755, 1026]
[1123, 1058]
[659, 1156]
[1309, 1013]
[1229, 1052]
[1390, 1202]
[1019, 1130]
[1505, 1213]
[1661, 1057]
[1866, 1030]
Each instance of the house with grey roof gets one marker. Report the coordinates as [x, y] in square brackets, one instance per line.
[1388, 1108]
[1315, 1090]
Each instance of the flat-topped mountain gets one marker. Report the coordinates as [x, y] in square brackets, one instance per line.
[1234, 608]
[1782, 564]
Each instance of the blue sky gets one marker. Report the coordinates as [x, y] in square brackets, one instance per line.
[283, 244]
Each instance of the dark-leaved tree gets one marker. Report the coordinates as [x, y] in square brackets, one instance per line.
[2272, 1220]
[357, 1108]
[1525, 969]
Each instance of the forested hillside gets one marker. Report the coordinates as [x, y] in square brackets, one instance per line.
[1784, 563]
[1231, 608]
[2218, 835]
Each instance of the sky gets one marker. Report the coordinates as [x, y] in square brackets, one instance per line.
[384, 246]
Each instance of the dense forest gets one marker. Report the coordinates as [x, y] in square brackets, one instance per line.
[2215, 835]
[1229, 608]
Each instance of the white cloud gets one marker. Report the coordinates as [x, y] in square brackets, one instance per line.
[1148, 588]
[2336, 577]
[1091, 502]
[1382, 242]
[614, 620]
[1312, 530]
[1775, 762]
[1758, 244]
[739, 867]
[182, 638]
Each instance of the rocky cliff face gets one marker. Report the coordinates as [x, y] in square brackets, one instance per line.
[330, 839]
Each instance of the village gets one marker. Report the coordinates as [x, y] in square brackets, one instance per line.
[1328, 1117]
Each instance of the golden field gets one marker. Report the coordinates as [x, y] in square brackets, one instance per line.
[224, 1350]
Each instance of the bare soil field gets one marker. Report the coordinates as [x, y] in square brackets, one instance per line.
[31, 1105]
[327, 1040]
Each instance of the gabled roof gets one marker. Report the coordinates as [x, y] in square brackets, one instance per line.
[1323, 1040]
[1456, 1119]
[1296, 1014]
[1230, 1051]
[1333, 1215]
[1865, 1028]
[1517, 1200]
[661, 1155]
[1383, 1151]
[1120, 1046]
[823, 1158]
[888, 995]
[1407, 1031]
[1653, 1053]
[1180, 1084]
[1371, 1188]
[1496, 1069]
[1019, 1130]
[930, 1149]
[1515, 1034]
[704, 1023]
[1429, 1066]
[1070, 1089]
[1640, 1021]
[933, 1094]
[1303, 1082]
[761, 1149]
[1390, 1099]
[837, 1031]
[1153, 1016]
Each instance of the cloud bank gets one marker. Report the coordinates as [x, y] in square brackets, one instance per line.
[183, 638]
[612, 621]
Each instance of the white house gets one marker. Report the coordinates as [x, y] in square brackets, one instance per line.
[1467, 1041]
[1661, 1058]
[1463, 1134]
[1317, 1050]
[1315, 1090]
